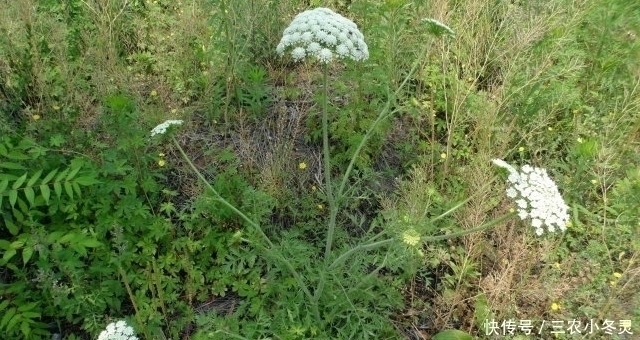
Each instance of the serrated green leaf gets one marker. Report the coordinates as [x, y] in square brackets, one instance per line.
[13, 196]
[19, 181]
[12, 323]
[57, 187]
[3, 185]
[16, 244]
[25, 328]
[68, 189]
[34, 178]
[72, 174]
[4, 305]
[12, 166]
[27, 307]
[7, 317]
[31, 315]
[28, 192]
[26, 255]
[452, 334]
[9, 254]
[46, 192]
[76, 188]
[49, 176]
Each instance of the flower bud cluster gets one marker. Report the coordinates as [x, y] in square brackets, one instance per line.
[118, 331]
[322, 34]
[162, 128]
[537, 197]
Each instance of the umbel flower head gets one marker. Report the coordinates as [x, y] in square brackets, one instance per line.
[323, 34]
[162, 128]
[537, 197]
[118, 331]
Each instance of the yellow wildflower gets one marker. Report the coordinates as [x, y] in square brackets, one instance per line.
[35, 117]
[302, 166]
[555, 306]
[162, 163]
[154, 93]
[443, 155]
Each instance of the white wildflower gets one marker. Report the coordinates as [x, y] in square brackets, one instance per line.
[321, 33]
[118, 331]
[325, 55]
[162, 128]
[537, 197]
[298, 53]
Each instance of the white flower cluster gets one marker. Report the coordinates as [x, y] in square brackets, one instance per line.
[537, 197]
[118, 331]
[322, 33]
[162, 128]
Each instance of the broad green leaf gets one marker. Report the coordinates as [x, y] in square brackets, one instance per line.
[46, 192]
[34, 178]
[49, 176]
[28, 192]
[61, 175]
[12, 166]
[3, 185]
[16, 244]
[18, 215]
[66, 238]
[68, 189]
[13, 196]
[86, 180]
[91, 243]
[452, 334]
[13, 229]
[19, 181]
[26, 254]
[4, 244]
[57, 187]
[54, 236]
[10, 253]
[17, 155]
[72, 174]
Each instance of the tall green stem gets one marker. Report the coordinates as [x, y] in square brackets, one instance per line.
[333, 209]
